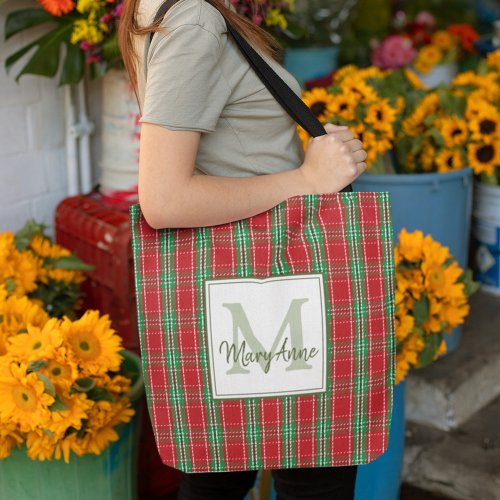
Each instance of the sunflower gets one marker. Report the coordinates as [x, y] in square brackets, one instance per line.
[37, 343]
[428, 156]
[318, 100]
[454, 130]
[17, 313]
[40, 445]
[359, 90]
[381, 116]
[411, 245]
[455, 311]
[65, 275]
[10, 438]
[413, 78]
[343, 106]
[345, 71]
[449, 160]
[57, 7]
[485, 124]
[46, 249]
[408, 356]
[304, 137]
[404, 325]
[93, 344]
[484, 158]
[23, 399]
[61, 371]
[369, 141]
[77, 409]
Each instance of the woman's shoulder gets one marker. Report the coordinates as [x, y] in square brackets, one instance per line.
[183, 13]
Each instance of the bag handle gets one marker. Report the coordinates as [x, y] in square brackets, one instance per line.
[278, 88]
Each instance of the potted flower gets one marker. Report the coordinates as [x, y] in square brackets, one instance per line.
[434, 53]
[66, 386]
[306, 29]
[432, 298]
[481, 89]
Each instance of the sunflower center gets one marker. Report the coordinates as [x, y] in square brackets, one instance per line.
[379, 115]
[36, 345]
[86, 345]
[456, 132]
[24, 398]
[56, 371]
[318, 108]
[485, 153]
[436, 276]
[449, 161]
[487, 126]
[343, 106]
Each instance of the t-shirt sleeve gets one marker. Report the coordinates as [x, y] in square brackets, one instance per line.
[184, 88]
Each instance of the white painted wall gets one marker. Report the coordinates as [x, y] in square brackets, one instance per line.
[32, 154]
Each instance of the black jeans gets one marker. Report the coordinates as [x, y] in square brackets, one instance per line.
[328, 483]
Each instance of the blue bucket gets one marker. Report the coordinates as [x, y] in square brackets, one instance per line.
[381, 479]
[439, 204]
[309, 63]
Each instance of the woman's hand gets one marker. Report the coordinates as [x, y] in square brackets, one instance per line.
[333, 161]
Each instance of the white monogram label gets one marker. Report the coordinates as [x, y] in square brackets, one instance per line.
[266, 337]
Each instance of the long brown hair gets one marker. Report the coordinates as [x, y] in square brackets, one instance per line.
[128, 28]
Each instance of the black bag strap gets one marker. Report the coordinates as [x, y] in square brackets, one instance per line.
[278, 88]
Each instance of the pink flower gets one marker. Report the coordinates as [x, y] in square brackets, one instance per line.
[425, 18]
[118, 10]
[394, 52]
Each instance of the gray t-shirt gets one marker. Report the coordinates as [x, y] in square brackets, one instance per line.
[195, 78]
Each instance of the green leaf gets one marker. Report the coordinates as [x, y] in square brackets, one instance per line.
[421, 310]
[37, 365]
[73, 67]
[70, 263]
[432, 343]
[21, 331]
[58, 405]
[10, 285]
[111, 49]
[45, 60]
[84, 384]
[100, 394]
[24, 236]
[49, 386]
[21, 20]
[83, 429]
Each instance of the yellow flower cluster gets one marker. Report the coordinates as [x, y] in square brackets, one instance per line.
[481, 90]
[354, 100]
[90, 29]
[449, 129]
[31, 264]
[444, 47]
[60, 386]
[431, 299]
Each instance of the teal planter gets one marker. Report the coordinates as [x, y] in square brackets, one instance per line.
[109, 476]
[309, 63]
[381, 479]
[439, 204]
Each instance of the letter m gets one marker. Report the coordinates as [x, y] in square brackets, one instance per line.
[293, 319]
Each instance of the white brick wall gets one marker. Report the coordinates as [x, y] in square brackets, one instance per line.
[32, 154]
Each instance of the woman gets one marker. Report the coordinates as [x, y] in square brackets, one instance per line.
[216, 147]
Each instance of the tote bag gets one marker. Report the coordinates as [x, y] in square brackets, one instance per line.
[269, 342]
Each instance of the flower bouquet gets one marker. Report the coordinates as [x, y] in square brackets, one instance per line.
[453, 127]
[62, 385]
[32, 264]
[369, 101]
[418, 42]
[86, 28]
[432, 294]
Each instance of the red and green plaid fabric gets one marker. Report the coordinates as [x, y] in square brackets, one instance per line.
[345, 237]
